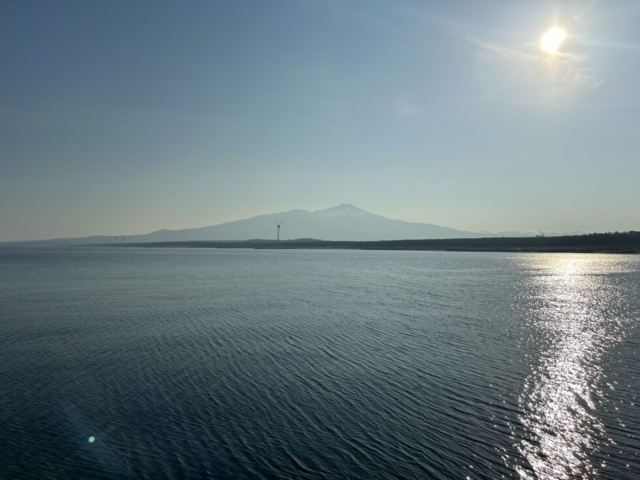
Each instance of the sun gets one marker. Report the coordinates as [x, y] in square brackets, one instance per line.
[552, 39]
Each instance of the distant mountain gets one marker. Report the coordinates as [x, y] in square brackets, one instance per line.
[344, 222]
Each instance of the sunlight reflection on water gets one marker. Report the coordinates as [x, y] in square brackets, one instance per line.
[560, 396]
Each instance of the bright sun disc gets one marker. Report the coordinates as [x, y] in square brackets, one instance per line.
[552, 39]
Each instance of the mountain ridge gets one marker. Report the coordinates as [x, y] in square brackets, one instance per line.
[344, 222]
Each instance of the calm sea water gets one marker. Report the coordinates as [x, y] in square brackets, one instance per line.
[181, 364]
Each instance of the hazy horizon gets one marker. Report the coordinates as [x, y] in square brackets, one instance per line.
[299, 227]
[148, 116]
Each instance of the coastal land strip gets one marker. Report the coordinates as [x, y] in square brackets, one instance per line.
[617, 242]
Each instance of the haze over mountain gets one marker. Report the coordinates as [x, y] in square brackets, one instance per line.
[343, 222]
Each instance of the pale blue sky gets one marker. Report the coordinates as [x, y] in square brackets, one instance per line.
[126, 117]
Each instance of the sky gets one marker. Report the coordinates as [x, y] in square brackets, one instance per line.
[124, 117]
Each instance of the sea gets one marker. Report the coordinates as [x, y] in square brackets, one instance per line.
[136, 363]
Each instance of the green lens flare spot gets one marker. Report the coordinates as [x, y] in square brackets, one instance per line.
[92, 439]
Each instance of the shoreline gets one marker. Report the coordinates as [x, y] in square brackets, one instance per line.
[616, 243]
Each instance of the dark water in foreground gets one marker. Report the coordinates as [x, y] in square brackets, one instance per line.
[132, 363]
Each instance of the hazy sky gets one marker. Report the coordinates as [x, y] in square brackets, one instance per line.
[122, 117]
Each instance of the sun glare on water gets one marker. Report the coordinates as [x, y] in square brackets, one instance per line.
[552, 39]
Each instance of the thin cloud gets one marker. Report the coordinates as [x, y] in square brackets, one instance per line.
[569, 74]
[405, 109]
[499, 50]
[532, 75]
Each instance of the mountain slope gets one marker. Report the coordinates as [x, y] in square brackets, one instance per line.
[344, 222]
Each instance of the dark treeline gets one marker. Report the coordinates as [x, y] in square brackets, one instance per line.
[617, 242]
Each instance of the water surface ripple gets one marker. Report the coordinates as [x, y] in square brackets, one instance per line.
[179, 364]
